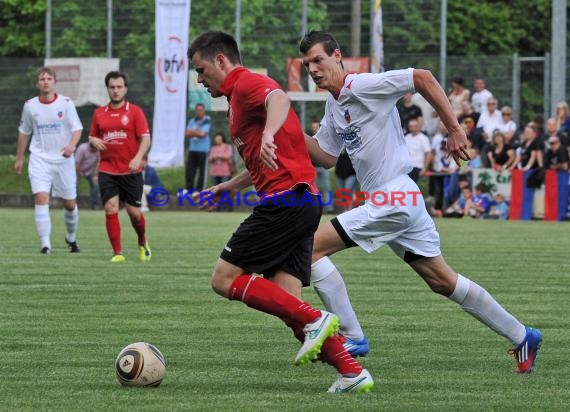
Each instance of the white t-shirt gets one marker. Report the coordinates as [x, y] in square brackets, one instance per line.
[50, 124]
[479, 100]
[419, 147]
[364, 119]
[510, 126]
[490, 122]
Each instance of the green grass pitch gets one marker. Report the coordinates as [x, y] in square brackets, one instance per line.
[63, 319]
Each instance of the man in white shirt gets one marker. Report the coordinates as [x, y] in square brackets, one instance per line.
[52, 121]
[361, 116]
[419, 148]
[480, 96]
[490, 120]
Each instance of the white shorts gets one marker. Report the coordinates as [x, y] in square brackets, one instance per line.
[59, 178]
[395, 215]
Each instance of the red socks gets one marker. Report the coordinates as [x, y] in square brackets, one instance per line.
[334, 354]
[261, 294]
[140, 228]
[114, 232]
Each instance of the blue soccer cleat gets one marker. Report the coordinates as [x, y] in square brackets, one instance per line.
[525, 354]
[356, 348]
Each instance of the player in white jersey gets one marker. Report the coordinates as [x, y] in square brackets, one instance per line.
[52, 121]
[361, 116]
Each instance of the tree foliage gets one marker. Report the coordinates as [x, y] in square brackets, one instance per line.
[22, 24]
[474, 27]
[270, 31]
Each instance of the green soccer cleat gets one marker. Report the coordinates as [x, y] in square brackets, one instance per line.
[144, 252]
[315, 335]
[118, 258]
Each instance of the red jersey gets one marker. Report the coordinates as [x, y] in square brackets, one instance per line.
[121, 129]
[246, 92]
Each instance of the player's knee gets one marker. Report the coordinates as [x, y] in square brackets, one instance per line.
[220, 284]
[317, 255]
[69, 204]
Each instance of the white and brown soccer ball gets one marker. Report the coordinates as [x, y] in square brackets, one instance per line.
[140, 364]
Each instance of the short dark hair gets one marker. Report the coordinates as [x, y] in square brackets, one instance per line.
[315, 37]
[457, 79]
[211, 43]
[481, 187]
[116, 75]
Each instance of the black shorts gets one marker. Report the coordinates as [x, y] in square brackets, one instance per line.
[277, 237]
[129, 188]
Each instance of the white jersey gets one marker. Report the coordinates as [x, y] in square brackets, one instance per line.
[51, 125]
[364, 119]
[479, 100]
[419, 148]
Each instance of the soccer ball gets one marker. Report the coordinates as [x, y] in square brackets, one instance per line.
[140, 364]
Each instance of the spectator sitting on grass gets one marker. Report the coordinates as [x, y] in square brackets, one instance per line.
[499, 209]
[478, 206]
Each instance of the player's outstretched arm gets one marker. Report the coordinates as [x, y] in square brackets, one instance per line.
[318, 155]
[214, 193]
[427, 85]
[278, 104]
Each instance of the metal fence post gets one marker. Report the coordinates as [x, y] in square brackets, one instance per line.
[546, 87]
[48, 29]
[109, 28]
[516, 92]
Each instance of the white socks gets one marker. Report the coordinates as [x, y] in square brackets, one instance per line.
[330, 287]
[71, 217]
[43, 224]
[480, 304]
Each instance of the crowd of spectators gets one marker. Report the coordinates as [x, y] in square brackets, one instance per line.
[496, 142]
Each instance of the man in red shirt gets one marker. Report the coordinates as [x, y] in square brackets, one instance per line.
[120, 132]
[276, 239]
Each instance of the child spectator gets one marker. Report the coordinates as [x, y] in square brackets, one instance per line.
[499, 209]
[479, 204]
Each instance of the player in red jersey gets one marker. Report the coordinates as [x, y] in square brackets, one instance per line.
[120, 132]
[276, 239]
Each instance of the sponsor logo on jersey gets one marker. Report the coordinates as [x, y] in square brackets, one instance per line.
[116, 134]
[351, 137]
[347, 116]
[49, 128]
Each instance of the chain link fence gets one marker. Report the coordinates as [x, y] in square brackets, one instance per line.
[132, 33]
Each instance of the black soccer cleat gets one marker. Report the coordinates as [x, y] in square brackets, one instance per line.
[73, 248]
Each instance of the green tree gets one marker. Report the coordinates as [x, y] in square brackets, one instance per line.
[22, 25]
